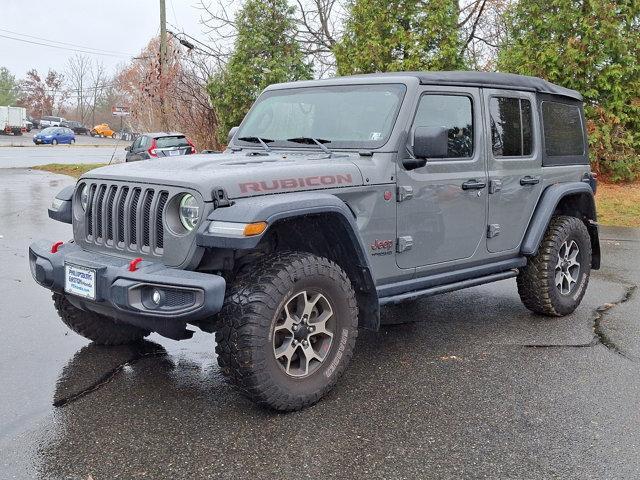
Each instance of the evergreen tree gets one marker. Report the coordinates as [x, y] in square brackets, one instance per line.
[8, 87]
[592, 46]
[265, 52]
[396, 35]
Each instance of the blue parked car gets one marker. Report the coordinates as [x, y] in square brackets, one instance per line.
[54, 136]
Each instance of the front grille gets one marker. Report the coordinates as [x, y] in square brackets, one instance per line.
[126, 218]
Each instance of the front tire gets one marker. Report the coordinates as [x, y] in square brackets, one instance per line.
[54, 142]
[287, 329]
[556, 278]
[99, 329]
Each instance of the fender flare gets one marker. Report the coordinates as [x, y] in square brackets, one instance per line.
[547, 205]
[274, 208]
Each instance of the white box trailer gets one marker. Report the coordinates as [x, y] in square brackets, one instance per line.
[13, 120]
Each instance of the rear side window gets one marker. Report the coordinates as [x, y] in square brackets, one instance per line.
[176, 141]
[455, 113]
[563, 131]
[511, 132]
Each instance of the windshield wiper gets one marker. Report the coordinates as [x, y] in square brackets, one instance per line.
[261, 141]
[310, 141]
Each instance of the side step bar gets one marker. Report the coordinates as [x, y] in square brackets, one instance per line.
[427, 292]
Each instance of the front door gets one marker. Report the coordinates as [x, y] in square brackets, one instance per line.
[442, 216]
[515, 166]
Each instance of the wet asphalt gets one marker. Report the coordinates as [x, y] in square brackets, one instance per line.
[477, 388]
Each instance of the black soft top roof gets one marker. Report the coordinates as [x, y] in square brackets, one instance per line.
[484, 79]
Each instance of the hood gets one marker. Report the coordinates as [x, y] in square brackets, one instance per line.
[240, 174]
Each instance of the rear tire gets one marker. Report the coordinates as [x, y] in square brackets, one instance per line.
[556, 278]
[287, 329]
[99, 329]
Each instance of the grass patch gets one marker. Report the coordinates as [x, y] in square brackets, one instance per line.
[72, 170]
[618, 205]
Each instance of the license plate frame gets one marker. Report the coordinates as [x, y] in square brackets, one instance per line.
[85, 281]
[174, 153]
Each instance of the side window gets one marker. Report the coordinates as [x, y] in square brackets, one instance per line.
[563, 132]
[136, 144]
[511, 131]
[455, 113]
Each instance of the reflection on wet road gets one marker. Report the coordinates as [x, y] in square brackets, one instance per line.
[479, 388]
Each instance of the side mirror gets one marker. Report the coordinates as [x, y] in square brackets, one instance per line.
[231, 134]
[128, 149]
[428, 142]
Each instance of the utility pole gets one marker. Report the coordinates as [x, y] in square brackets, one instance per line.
[163, 65]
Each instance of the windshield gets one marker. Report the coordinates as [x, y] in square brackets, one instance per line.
[349, 116]
[49, 130]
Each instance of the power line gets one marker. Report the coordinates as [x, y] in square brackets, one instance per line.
[64, 43]
[65, 48]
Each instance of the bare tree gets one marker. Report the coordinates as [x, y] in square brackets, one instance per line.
[99, 83]
[483, 31]
[193, 107]
[77, 74]
[319, 27]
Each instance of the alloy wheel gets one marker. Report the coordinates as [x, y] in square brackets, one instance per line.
[567, 269]
[303, 333]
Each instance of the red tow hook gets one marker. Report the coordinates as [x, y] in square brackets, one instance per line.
[133, 265]
[55, 247]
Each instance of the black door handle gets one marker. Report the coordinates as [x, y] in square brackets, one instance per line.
[529, 180]
[473, 185]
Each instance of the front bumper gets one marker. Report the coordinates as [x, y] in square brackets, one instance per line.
[186, 296]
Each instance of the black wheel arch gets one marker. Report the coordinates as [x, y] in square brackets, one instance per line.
[313, 222]
[575, 199]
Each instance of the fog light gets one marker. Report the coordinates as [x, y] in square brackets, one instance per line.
[156, 297]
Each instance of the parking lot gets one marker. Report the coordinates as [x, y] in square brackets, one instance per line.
[477, 387]
[26, 140]
[86, 150]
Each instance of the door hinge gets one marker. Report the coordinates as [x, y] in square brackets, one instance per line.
[404, 243]
[405, 192]
[493, 230]
[495, 186]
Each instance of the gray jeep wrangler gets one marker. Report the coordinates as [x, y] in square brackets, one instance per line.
[333, 198]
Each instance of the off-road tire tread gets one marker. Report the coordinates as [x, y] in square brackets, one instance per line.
[533, 279]
[246, 317]
[99, 329]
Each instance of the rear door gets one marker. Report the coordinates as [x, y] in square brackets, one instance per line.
[515, 165]
[442, 206]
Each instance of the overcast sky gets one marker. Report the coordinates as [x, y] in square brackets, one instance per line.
[122, 26]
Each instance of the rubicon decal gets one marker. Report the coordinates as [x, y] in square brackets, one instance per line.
[296, 183]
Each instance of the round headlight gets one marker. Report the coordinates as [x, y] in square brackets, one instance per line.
[189, 212]
[84, 196]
